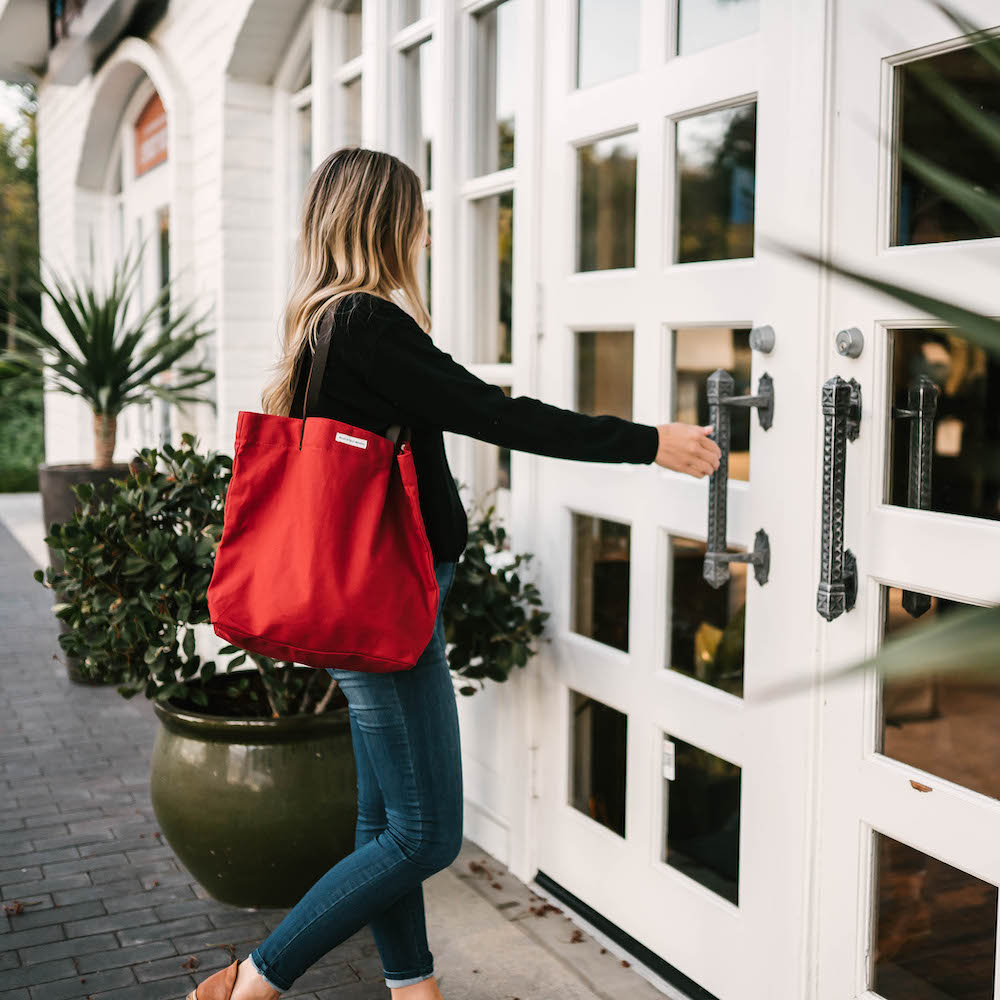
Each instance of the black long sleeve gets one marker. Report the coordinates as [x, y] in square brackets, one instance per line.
[428, 386]
[383, 370]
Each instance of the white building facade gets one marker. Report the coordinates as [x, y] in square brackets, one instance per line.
[610, 185]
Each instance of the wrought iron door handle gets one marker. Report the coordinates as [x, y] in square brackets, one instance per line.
[838, 581]
[720, 398]
[921, 400]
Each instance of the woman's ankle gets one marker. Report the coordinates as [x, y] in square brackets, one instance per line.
[426, 989]
[250, 985]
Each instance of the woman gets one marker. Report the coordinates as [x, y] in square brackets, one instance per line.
[363, 228]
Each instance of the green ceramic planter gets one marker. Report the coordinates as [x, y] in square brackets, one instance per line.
[255, 809]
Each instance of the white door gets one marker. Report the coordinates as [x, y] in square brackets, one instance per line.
[670, 811]
[909, 858]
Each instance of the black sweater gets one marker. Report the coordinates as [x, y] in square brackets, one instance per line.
[384, 369]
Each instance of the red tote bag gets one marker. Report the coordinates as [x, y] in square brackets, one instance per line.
[324, 559]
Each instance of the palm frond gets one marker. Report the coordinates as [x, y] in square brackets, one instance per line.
[979, 327]
[109, 352]
[964, 642]
[980, 205]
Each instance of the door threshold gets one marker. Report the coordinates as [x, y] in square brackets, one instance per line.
[668, 979]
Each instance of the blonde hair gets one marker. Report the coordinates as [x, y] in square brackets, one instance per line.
[362, 226]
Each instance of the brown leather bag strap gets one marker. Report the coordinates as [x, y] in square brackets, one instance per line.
[314, 382]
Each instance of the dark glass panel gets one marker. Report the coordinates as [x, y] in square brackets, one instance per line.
[935, 928]
[703, 819]
[706, 625]
[598, 755]
[944, 723]
[716, 162]
[606, 172]
[601, 579]
[927, 127]
[604, 372]
[965, 454]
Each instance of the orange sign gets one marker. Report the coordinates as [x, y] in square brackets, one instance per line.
[150, 136]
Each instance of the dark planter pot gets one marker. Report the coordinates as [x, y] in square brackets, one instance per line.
[55, 483]
[256, 809]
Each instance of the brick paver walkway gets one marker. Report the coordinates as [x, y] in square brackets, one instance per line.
[108, 911]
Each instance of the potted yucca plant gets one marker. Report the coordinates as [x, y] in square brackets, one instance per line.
[107, 351]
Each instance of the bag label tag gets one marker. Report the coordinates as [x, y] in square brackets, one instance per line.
[349, 439]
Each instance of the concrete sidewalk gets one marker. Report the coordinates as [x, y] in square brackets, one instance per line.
[97, 905]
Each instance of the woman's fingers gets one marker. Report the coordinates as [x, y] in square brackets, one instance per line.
[706, 452]
[710, 447]
[688, 448]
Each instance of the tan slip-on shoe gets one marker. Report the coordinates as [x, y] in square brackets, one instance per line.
[218, 986]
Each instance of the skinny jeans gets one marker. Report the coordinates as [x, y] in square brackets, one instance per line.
[405, 735]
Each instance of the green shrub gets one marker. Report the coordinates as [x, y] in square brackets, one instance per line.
[135, 583]
[487, 620]
[137, 565]
[21, 437]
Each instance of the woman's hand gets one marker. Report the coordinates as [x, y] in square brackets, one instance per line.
[688, 448]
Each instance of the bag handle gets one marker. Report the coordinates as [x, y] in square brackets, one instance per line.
[315, 380]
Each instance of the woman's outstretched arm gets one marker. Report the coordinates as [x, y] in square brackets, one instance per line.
[428, 386]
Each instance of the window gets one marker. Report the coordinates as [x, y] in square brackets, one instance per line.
[716, 157]
[606, 190]
[926, 126]
[601, 564]
[703, 23]
[607, 43]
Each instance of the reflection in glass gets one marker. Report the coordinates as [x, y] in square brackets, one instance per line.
[928, 128]
[419, 120]
[165, 409]
[601, 579]
[503, 459]
[497, 81]
[706, 625]
[944, 723]
[303, 122]
[163, 282]
[352, 112]
[607, 40]
[935, 928]
[606, 172]
[413, 10]
[352, 29]
[716, 157]
[702, 23]
[428, 251]
[702, 807]
[494, 270]
[604, 372]
[965, 459]
[699, 351]
[599, 737]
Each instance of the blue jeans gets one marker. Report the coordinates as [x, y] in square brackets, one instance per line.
[404, 729]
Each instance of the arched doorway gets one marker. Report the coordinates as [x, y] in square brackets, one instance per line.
[131, 194]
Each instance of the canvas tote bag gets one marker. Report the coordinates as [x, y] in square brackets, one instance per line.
[324, 559]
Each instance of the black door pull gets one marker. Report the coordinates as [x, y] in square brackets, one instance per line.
[921, 406]
[838, 581]
[720, 398]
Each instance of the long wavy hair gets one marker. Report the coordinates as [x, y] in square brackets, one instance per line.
[363, 223]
